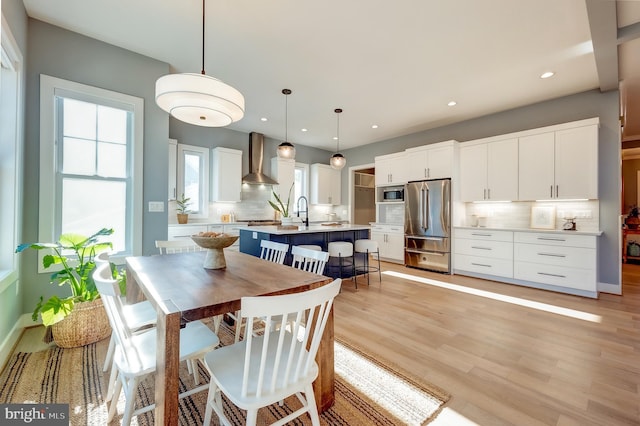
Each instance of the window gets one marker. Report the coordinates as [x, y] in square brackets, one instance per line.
[11, 77]
[193, 178]
[301, 180]
[90, 163]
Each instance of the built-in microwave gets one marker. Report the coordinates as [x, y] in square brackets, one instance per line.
[393, 194]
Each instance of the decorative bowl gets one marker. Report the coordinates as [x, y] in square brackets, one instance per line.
[215, 245]
[218, 242]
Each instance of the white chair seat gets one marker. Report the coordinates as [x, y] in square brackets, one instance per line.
[225, 363]
[196, 339]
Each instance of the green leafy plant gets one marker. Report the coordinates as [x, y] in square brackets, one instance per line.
[183, 203]
[76, 272]
[280, 206]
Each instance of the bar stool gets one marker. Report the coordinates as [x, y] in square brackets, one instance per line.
[310, 247]
[368, 247]
[342, 250]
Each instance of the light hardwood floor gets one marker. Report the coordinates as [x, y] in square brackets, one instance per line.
[508, 355]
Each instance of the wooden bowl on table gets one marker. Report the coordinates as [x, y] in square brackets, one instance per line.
[215, 244]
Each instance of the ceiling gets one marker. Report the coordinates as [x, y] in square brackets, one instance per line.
[391, 64]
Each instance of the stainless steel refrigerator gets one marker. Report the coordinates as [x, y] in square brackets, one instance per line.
[427, 225]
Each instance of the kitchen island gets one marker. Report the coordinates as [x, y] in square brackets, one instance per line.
[321, 235]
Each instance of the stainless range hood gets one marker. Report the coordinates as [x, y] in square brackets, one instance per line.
[256, 158]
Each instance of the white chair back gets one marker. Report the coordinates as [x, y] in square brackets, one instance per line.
[273, 251]
[309, 260]
[184, 245]
[279, 360]
[109, 293]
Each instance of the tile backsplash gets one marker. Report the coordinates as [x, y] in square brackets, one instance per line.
[254, 205]
[518, 214]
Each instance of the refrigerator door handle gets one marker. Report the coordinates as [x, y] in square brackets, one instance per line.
[424, 207]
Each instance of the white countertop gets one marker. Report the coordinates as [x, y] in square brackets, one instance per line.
[547, 231]
[305, 229]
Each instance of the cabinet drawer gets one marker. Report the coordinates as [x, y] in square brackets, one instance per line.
[485, 248]
[582, 279]
[484, 234]
[389, 229]
[572, 257]
[185, 231]
[571, 240]
[484, 265]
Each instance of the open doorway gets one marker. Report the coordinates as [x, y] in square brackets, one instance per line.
[362, 195]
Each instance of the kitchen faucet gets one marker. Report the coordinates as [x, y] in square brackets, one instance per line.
[306, 211]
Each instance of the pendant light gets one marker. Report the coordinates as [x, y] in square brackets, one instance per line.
[198, 98]
[338, 161]
[286, 149]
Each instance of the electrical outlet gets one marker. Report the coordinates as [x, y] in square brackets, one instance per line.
[254, 235]
[156, 206]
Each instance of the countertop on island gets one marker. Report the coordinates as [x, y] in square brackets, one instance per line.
[313, 228]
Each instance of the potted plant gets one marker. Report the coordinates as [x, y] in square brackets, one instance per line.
[280, 207]
[79, 319]
[183, 212]
[633, 221]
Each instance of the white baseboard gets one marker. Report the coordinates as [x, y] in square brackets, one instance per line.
[10, 341]
[610, 288]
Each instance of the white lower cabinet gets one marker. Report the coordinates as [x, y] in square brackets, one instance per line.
[390, 240]
[554, 261]
[233, 229]
[179, 232]
[560, 260]
[486, 252]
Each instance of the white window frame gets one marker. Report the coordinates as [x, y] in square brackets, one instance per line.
[305, 187]
[202, 211]
[50, 87]
[11, 161]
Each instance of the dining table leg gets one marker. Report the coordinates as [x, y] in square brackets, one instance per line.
[323, 386]
[167, 368]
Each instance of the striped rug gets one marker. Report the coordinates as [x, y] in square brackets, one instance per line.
[367, 391]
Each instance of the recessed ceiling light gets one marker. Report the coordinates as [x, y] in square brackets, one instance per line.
[263, 119]
[304, 130]
[375, 126]
[547, 74]
[452, 103]
[335, 138]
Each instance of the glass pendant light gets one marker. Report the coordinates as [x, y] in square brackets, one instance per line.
[286, 149]
[198, 98]
[338, 161]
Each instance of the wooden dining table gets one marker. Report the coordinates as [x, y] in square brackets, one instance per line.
[182, 290]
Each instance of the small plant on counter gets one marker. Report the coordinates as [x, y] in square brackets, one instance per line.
[183, 204]
[279, 206]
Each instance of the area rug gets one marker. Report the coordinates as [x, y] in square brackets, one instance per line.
[367, 391]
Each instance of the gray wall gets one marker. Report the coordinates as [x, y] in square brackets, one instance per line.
[570, 108]
[10, 306]
[71, 56]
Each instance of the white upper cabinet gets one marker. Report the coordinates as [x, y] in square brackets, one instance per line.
[489, 171]
[173, 169]
[283, 170]
[325, 184]
[430, 162]
[226, 172]
[390, 169]
[559, 165]
[577, 163]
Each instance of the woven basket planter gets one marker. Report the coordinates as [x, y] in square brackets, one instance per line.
[87, 323]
